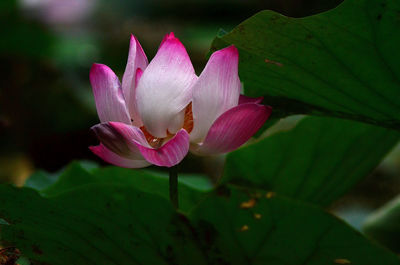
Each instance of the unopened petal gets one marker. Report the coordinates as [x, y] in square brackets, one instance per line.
[170, 153]
[112, 158]
[136, 59]
[216, 91]
[110, 102]
[116, 141]
[130, 134]
[232, 129]
[165, 87]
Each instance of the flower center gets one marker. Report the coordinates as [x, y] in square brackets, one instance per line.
[157, 142]
[188, 121]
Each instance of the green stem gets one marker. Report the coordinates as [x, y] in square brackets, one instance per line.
[173, 186]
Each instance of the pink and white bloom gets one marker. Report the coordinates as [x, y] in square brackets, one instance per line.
[162, 109]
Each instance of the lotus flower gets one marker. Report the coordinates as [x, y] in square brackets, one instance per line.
[162, 109]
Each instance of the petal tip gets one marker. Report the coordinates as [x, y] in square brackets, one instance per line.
[170, 35]
[95, 149]
[94, 128]
[98, 68]
[171, 39]
[115, 125]
[93, 69]
[118, 126]
[133, 40]
[230, 50]
[267, 109]
[226, 55]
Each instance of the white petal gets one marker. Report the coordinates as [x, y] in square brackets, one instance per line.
[165, 87]
[216, 91]
[177, 122]
[136, 59]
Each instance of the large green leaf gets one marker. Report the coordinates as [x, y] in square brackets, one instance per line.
[92, 224]
[116, 224]
[191, 188]
[343, 63]
[384, 225]
[279, 231]
[317, 161]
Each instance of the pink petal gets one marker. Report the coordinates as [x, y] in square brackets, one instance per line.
[112, 158]
[170, 153]
[216, 91]
[165, 87]
[136, 59]
[233, 128]
[245, 99]
[116, 141]
[108, 96]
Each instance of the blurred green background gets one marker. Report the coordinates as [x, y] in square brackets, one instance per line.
[48, 46]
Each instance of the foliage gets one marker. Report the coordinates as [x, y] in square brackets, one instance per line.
[317, 161]
[267, 208]
[342, 63]
[115, 223]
